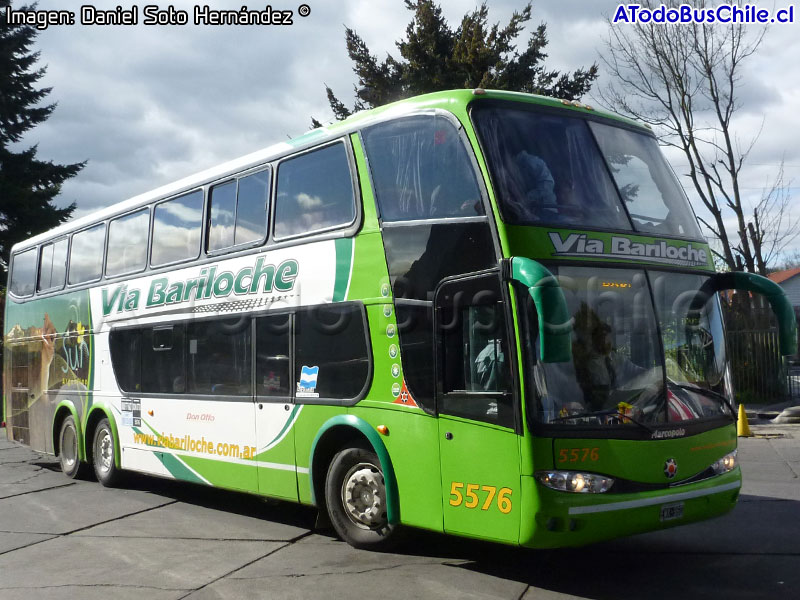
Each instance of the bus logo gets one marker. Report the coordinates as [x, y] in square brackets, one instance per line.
[581, 245]
[261, 278]
[307, 386]
[670, 468]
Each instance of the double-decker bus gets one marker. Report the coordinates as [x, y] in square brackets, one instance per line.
[485, 313]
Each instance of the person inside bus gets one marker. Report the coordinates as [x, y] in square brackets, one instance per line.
[538, 186]
[599, 367]
[534, 187]
[454, 192]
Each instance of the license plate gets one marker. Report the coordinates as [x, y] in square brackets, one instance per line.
[672, 511]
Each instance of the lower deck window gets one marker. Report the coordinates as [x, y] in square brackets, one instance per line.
[331, 352]
[315, 353]
[218, 357]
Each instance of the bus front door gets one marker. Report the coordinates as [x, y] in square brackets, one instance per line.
[480, 479]
[479, 446]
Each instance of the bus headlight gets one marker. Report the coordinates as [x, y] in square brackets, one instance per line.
[578, 483]
[725, 464]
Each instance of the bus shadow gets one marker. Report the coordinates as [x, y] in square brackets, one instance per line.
[745, 554]
[749, 553]
[247, 505]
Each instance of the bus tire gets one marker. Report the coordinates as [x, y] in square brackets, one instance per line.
[68, 449]
[355, 494]
[103, 452]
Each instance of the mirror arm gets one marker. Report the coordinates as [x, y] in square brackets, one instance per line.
[750, 282]
[555, 323]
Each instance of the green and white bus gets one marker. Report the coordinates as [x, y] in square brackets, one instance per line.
[484, 313]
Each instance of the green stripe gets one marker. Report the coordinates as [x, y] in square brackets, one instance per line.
[344, 254]
[176, 467]
[288, 424]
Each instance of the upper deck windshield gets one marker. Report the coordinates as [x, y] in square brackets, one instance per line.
[647, 350]
[565, 170]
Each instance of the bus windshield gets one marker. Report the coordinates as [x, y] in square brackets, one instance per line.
[643, 352]
[555, 169]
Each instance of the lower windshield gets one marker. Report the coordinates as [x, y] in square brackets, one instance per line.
[635, 362]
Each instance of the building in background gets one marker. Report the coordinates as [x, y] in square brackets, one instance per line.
[789, 280]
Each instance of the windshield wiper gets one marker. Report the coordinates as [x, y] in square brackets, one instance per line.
[706, 392]
[598, 413]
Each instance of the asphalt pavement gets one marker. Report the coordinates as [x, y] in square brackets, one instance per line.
[159, 539]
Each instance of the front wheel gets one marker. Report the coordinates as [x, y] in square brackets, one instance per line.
[68, 448]
[355, 493]
[103, 451]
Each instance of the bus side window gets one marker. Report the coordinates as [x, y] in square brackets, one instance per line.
[222, 208]
[332, 359]
[421, 170]
[219, 357]
[251, 208]
[23, 273]
[127, 243]
[53, 265]
[474, 369]
[86, 254]
[238, 211]
[273, 358]
[176, 229]
[163, 360]
[125, 346]
[314, 192]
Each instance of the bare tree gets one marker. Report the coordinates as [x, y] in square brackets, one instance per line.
[682, 80]
[773, 227]
[790, 260]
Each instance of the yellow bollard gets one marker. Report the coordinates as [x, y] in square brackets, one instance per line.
[743, 427]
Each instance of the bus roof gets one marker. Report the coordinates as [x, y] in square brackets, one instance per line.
[437, 100]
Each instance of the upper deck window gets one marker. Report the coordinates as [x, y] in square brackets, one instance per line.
[176, 229]
[127, 243]
[86, 254]
[547, 169]
[23, 273]
[421, 170]
[238, 211]
[314, 192]
[653, 196]
[53, 265]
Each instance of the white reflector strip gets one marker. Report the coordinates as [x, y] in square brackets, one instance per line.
[598, 508]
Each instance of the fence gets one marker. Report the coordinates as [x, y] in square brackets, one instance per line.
[760, 374]
[794, 383]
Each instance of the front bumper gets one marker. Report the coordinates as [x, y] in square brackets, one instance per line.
[565, 519]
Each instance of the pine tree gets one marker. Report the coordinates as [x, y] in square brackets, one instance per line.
[27, 185]
[436, 57]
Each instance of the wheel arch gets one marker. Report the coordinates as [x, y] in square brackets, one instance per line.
[348, 430]
[64, 409]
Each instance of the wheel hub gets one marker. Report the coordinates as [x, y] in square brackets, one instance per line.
[69, 447]
[104, 451]
[364, 496]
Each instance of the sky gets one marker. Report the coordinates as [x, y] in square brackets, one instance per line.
[147, 105]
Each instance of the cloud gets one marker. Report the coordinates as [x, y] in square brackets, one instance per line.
[146, 105]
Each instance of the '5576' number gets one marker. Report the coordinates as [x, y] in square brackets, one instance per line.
[469, 498]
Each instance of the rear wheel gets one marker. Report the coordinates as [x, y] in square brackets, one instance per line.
[103, 452]
[355, 493]
[68, 448]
